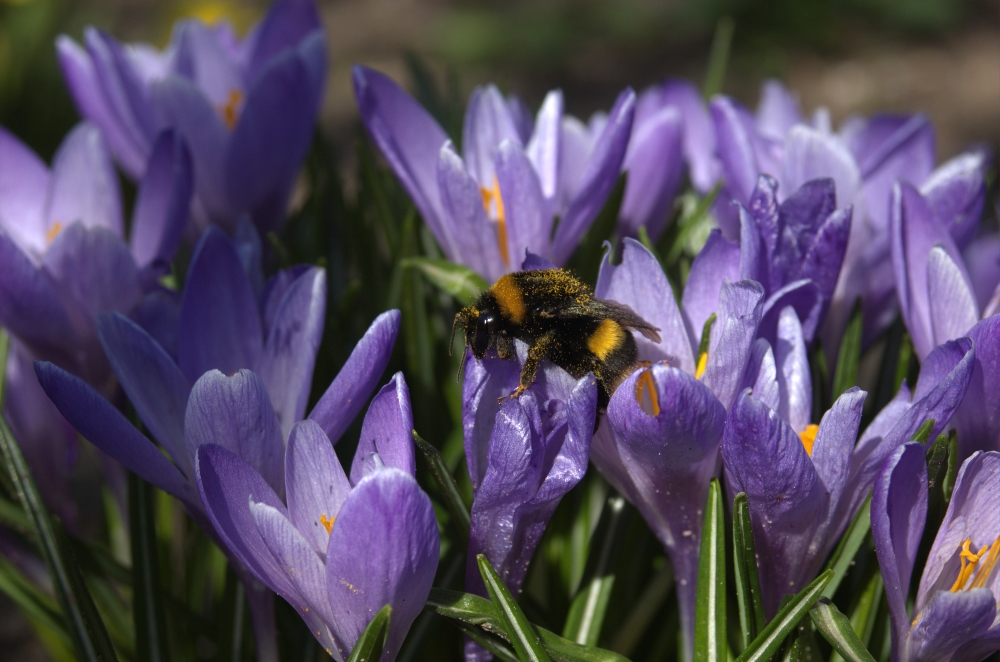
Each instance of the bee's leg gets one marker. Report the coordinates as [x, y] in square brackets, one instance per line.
[538, 351]
[505, 347]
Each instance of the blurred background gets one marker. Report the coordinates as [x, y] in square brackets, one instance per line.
[941, 57]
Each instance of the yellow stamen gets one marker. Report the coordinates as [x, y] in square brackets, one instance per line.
[702, 364]
[327, 522]
[643, 385]
[53, 232]
[230, 109]
[491, 196]
[969, 561]
[808, 437]
[986, 569]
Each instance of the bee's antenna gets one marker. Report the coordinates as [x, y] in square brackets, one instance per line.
[454, 326]
[461, 366]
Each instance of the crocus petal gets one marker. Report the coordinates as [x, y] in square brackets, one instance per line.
[598, 179]
[29, 304]
[24, 184]
[899, 508]
[161, 208]
[570, 463]
[180, 104]
[543, 147]
[762, 374]
[383, 550]
[316, 483]
[699, 134]
[527, 216]
[387, 430]
[234, 412]
[287, 23]
[228, 485]
[154, 384]
[778, 110]
[488, 123]
[948, 621]
[802, 295]
[88, 94]
[408, 138]
[755, 262]
[485, 381]
[734, 135]
[273, 133]
[767, 460]
[793, 374]
[362, 371]
[825, 258]
[802, 214]
[105, 427]
[978, 417]
[220, 322]
[831, 451]
[201, 58]
[956, 192]
[158, 313]
[953, 309]
[84, 185]
[469, 235]
[639, 282]
[654, 164]
[718, 261]
[982, 258]
[812, 154]
[290, 353]
[732, 338]
[575, 145]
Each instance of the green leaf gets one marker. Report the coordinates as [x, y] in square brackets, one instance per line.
[937, 456]
[688, 224]
[4, 348]
[923, 433]
[34, 603]
[522, 635]
[148, 601]
[949, 477]
[494, 644]
[648, 243]
[710, 603]
[706, 336]
[749, 601]
[718, 59]
[835, 627]
[845, 375]
[842, 558]
[586, 613]
[461, 282]
[371, 642]
[770, 639]
[450, 493]
[90, 637]
[473, 612]
[644, 610]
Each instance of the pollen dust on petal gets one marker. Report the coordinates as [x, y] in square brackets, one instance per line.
[327, 522]
[230, 110]
[702, 364]
[808, 437]
[645, 394]
[493, 203]
[53, 232]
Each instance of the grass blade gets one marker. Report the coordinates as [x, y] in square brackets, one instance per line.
[835, 627]
[718, 58]
[459, 281]
[522, 635]
[710, 609]
[32, 602]
[749, 601]
[842, 557]
[845, 375]
[148, 602]
[90, 637]
[770, 639]
[450, 493]
[586, 613]
[371, 642]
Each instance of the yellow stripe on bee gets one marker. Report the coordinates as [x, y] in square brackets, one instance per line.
[607, 337]
[509, 298]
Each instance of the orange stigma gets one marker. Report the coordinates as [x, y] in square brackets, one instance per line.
[492, 196]
[53, 232]
[645, 394]
[808, 437]
[230, 109]
[327, 522]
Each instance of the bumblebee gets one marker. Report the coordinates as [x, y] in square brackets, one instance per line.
[559, 318]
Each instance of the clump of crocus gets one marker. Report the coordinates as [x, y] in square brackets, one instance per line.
[501, 197]
[246, 107]
[955, 615]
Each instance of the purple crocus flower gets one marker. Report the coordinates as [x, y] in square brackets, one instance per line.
[805, 486]
[63, 253]
[938, 302]
[337, 548]
[501, 197]
[955, 617]
[523, 455]
[246, 108]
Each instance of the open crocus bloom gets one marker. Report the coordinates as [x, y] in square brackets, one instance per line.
[246, 108]
[805, 485]
[336, 548]
[955, 617]
[502, 196]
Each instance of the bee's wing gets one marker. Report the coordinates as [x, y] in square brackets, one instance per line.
[627, 317]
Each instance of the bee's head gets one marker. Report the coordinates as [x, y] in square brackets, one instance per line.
[480, 322]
